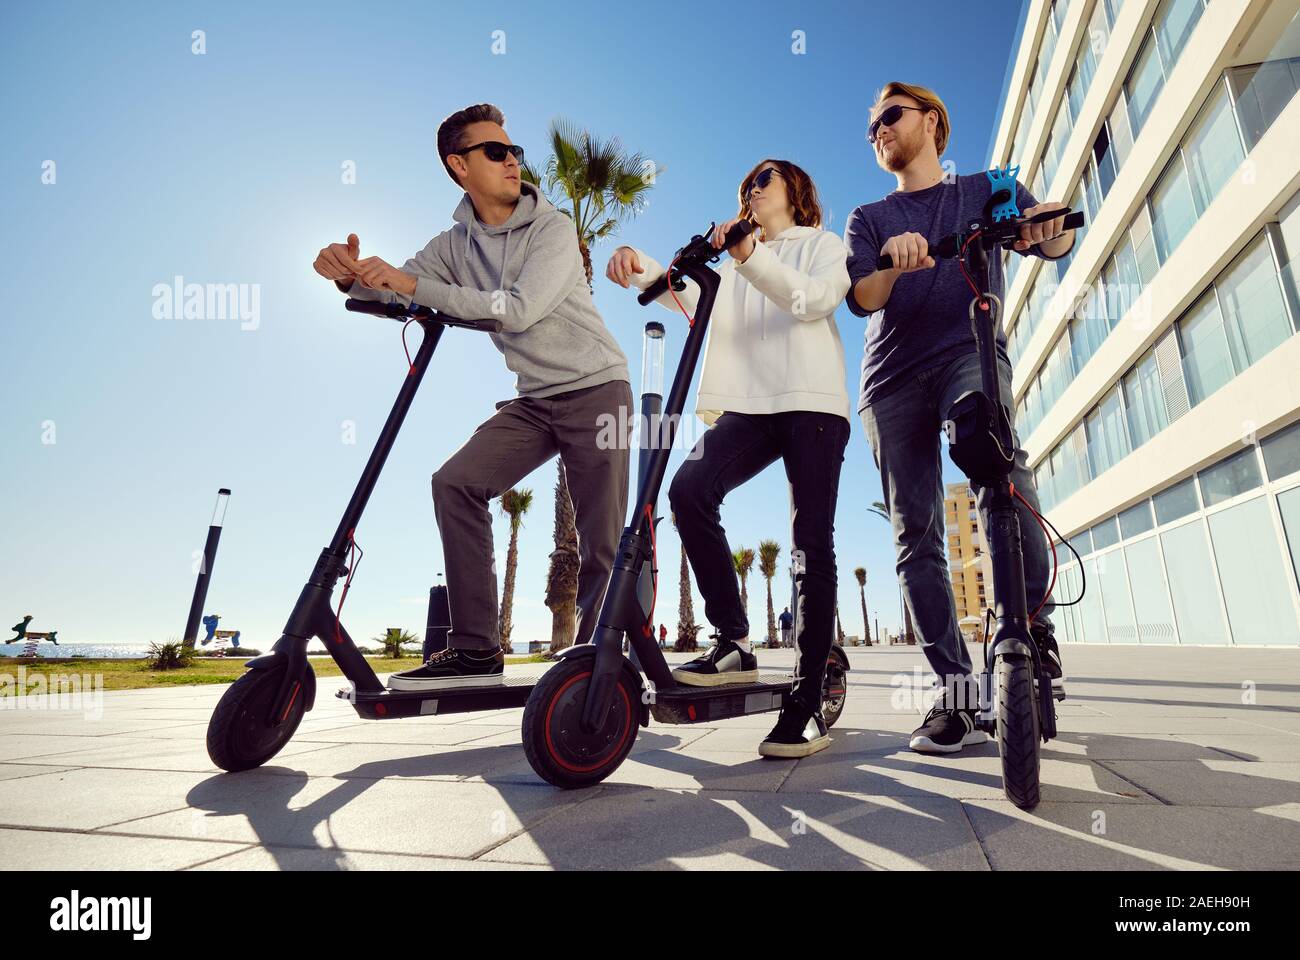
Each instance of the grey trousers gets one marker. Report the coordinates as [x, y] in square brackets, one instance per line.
[522, 435]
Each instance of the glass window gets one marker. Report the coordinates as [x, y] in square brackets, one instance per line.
[1091, 195]
[1095, 40]
[1155, 617]
[1077, 86]
[1105, 534]
[1255, 590]
[1230, 477]
[1206, 362]
[1266, 89]
[1047, 166]
[1143, 85]
[1091, 615]
[1255, 316]
[1105, 159]
[1113, 580]
[1282, 452]
[1121, 133]
[1288, 504]
[1178, 501]
[1136, 520]
[1082, 542]
[1192, 586]
[1144, 400]
[1172, 208]
[1144, 246]
[1107, 438]
[1213, 149]
[1174, 25]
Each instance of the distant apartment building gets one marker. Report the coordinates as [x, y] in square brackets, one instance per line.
[1157, 367]
[969, 567]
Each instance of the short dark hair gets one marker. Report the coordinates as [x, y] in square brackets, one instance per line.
[451, 132]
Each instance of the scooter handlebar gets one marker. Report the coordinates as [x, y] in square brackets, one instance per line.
[699, 249]
[397, 311]
[1073, 221]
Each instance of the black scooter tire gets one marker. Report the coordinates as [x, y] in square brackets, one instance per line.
[1018, 731]
[557, 749]
[239, 736]
[837, 671]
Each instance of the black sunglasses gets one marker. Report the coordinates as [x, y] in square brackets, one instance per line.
[762, 179]
[496, 151]
[889, 117]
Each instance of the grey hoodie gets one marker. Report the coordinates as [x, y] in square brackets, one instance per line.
[527, 273]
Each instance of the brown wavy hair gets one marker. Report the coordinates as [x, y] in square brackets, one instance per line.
[799, 187]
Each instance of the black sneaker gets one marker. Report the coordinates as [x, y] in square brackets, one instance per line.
[725, 663]
[1050, 655]
[798, 733]
[451, 668]
[947, 729]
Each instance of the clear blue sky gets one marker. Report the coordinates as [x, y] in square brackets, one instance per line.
[225, 168]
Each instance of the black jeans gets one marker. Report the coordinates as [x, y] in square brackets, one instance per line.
[738, 447]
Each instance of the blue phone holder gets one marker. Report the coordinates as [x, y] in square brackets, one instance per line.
[1004, 178]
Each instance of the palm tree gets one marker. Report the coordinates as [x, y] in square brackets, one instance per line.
[861, 575]
[392, 641]
[514, 504]
[879, 509]
[839, 626]
[743, 559]
[562, 577]
[687, 629]
[597, 186]
[768, 551]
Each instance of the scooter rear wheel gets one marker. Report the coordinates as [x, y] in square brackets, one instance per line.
[557, 747]
[240, 734]
[1018, 730]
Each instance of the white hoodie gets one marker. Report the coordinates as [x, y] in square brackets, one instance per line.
[773, 345]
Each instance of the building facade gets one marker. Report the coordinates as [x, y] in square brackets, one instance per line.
[969, 567]
[1157, 367]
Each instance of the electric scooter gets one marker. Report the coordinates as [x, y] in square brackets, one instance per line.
[260, 712]
[580, 720]
[1016, 697]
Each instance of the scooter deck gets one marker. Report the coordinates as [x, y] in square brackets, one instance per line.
[389, 704]
[687, 704]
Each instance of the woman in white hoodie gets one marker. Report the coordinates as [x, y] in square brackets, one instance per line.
[772, 388]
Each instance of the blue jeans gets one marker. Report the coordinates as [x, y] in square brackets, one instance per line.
[904, 429]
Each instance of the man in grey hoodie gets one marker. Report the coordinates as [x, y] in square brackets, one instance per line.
[512, 257]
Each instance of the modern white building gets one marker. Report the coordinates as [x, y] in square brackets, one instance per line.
[1157, 369]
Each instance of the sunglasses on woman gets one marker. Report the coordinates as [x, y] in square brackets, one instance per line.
[496, 151]
[889, 116]
[762, 179]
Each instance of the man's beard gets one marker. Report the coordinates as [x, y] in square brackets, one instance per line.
[904, 153]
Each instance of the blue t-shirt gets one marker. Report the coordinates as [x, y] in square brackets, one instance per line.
[926, 322]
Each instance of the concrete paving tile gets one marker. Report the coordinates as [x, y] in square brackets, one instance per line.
[1208, 783]
[1062, 836]
[976, 773]
[55, 850]
[295, 858]
[683, 830]
[84, 799]
[424, 817]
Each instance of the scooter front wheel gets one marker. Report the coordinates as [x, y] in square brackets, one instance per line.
[241, 735]
[557, 747]
[1018, 730]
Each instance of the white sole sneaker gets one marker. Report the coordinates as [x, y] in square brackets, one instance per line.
[793, 750]
[926, 745]
[726, 678]
[450, 683]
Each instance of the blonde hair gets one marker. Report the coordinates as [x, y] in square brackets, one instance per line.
[928, 100]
